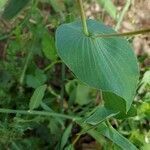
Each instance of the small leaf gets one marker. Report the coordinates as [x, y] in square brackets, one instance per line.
[144, 82]
[83, 94]
[37, 97]
[71, 88]
[146, 78]
[108, 64]
[71, 85]
[13, 7]
[65, 136]
[48, 47]
[37, 79]
[78, 92]
[101, 114]
[116, 103]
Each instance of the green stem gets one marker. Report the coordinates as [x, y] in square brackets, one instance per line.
[83, 18]
[62, 86]
[108, 123]
[76, 139]
[53, 92]
[51, 65]
[25, 67]
[142, 31]
[42, 113]
[122, 14]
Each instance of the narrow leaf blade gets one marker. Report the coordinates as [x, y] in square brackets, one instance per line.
[100, 115]
[116, 137]
[111, 134]
[48, 47]
[65, 136]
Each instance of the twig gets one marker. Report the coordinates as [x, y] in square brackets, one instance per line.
[83, 17]
[76, 139]
[142, 31]
[51, 65]
[121, 16]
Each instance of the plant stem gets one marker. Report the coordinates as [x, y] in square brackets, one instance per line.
[76, 139]
[43, 113]
[108, 124]
[122, 14]
[142, 31]
[62, 86]
[51, 65]
[83, 18]
[25, 67]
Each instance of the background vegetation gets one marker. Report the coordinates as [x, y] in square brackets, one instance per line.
[29, 62]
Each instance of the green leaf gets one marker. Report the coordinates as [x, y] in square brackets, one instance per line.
[78, 92]
[146, 78]
[109, 7]
[37, 97]
[116, 137]
[71, 89]
[144, 82]
[65, 136]
[2, 4]
[100, 115]
[116, 103]
[71, 85]
[13, 7]
[83, 94]
[108, 64]
[69, 147]
[48, 47]
[146, 146]
[111, 134]
[37, 79]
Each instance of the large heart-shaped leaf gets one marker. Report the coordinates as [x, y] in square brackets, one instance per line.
[103, 63]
